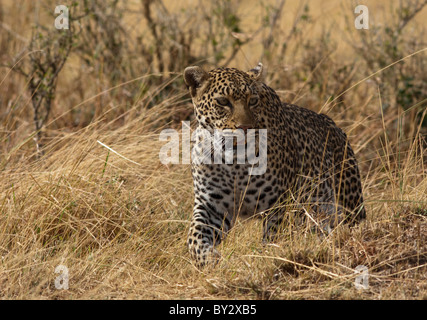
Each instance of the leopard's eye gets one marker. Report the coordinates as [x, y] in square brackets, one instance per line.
[253, 101]
[223, 102]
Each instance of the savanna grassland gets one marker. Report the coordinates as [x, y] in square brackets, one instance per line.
[81, 183]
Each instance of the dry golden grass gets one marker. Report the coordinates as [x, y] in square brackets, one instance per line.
[120, 227]
[100, 202]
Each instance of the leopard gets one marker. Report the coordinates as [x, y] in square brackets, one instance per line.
[309, 162]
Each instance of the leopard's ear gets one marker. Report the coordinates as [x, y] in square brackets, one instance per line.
[257, 72]
[194, 78]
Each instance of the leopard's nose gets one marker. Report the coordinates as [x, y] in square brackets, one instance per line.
[244, 127]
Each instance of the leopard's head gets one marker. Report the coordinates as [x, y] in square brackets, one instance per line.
[225, 98]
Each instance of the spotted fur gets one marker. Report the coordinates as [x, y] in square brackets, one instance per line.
[309, 161]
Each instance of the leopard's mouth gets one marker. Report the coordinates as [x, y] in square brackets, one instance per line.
[242, 141]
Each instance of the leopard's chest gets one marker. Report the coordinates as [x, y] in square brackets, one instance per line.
[231, 188]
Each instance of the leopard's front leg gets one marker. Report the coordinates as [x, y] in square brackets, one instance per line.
[208, 228]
